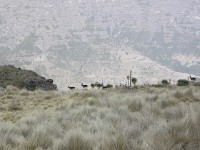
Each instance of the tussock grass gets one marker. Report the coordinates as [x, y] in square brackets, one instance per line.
[146, 118]
[14, 106]
[135, 106]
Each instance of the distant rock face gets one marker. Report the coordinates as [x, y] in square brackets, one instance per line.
[24, 79]
[87, 40]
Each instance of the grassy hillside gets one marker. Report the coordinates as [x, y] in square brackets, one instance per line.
[24, 79]
[143, 119]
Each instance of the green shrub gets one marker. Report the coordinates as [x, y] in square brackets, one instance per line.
[134, 80]
[182, 82]
[165, 82]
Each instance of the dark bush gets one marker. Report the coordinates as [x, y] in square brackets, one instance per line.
[182, 82]
[50, 81]
[165, 82]
[98, 85]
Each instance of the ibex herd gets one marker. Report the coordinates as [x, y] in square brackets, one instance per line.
[83, 85]
[98, 85]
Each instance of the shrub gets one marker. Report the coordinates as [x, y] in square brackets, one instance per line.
[98, 85]
[182, 82]
[165, 82]
[134, 80]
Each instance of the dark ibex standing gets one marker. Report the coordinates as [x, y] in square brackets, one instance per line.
[71, 88]
[192, 78]
[104, 87]
[107, 86]
[84, 86]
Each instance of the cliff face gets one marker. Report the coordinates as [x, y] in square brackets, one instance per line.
[85, 41]
[24, 79]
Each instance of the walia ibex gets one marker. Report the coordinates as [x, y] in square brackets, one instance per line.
[84, 86]
[107, 86]
[192, 78]
[71, 87]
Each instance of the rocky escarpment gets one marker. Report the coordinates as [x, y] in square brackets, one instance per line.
[24, 79]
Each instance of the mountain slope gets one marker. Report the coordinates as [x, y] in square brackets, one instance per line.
[84, 41]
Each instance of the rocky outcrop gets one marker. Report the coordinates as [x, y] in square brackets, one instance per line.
[24, 79]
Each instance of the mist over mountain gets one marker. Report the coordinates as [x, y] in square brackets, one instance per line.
[87, 40]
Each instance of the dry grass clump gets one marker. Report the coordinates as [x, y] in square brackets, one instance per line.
[152, 98]
[76, 142]
[151, 118]
[180, 132]
[15, 103]
[25, 93]
[14, 106]
[117, 143]
[38, 139]
[189, 94]
[135, 106]
[167, 102]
